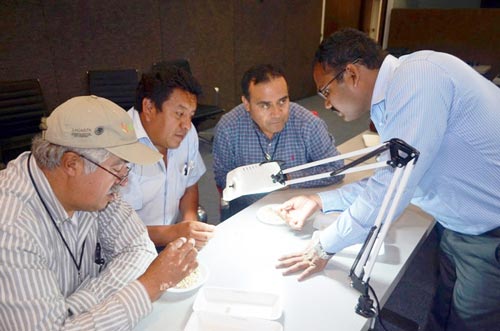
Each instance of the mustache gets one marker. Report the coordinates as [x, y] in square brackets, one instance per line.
[114, 190]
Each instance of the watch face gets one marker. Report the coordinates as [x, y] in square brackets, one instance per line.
[320, 252]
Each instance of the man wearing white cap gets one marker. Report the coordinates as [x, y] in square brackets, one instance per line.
[73, 255]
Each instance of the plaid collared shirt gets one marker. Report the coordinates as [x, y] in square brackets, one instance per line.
[304, 139]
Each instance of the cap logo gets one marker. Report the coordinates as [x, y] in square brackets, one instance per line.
[126, 128]
[81, 133]
[99, 130]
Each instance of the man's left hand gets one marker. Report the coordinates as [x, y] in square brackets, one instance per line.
[307, 261]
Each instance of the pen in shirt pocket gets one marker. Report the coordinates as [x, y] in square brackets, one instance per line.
[188, 166]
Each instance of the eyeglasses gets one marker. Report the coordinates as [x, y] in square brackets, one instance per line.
[121, 178]
[323, 92]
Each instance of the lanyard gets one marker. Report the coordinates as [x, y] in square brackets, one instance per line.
[77, 265]
[267, 156]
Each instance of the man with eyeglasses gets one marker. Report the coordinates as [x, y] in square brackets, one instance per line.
[450, 113]
[165, 194]
[73, 254]
[268, 127]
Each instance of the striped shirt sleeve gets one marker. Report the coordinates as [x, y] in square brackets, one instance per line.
[39, 285]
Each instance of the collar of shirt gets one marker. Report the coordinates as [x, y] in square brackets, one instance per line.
[142, 136]
[389, 65]
[141, 133]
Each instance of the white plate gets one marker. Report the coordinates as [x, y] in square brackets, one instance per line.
[205, 321]
[202, 278]
[238, 303]
[269, 214]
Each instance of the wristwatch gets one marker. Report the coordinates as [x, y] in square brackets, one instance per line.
[318, 248]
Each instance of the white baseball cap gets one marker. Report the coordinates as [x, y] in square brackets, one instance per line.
[94, 122]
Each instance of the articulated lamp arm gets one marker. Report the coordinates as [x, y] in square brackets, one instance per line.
[267, 177]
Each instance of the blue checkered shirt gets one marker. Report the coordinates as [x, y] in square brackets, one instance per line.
[305, 138]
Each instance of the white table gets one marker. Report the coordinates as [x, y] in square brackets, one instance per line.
[244, 252]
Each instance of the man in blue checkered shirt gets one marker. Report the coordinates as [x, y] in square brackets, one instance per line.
[268, 127]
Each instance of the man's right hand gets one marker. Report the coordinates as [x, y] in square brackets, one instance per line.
[298, 209]
[199, 231]
[173, 264]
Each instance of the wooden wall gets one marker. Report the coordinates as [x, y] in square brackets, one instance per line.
[58, 41]
[471, 34]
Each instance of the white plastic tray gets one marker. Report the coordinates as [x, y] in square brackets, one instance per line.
[205, 321]
[238, 303]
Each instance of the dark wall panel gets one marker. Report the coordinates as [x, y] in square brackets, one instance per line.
[68, 25]
[101, 35]
[471, 34]
[59, 41]
[202, 32]
[303, 25]
[24, 51]
[259, 28]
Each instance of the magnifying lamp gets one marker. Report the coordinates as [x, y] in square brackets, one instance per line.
[268, 176]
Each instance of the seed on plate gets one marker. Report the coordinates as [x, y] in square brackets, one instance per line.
[190, 280]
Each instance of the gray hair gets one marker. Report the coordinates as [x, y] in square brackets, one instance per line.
[48, 155]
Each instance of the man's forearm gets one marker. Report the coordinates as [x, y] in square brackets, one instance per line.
[188, 205]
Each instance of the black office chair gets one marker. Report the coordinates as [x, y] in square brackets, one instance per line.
[21, 108]
[118, 86]
[203, 111]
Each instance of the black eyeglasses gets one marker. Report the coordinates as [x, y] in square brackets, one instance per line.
[323, 92]
[121, 179]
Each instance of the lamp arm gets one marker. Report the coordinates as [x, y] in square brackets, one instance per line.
[403, 158]
[400, 152]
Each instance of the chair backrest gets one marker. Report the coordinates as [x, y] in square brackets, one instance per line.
[203, 111]
[118, 86]
[181, 63]
[21, 107]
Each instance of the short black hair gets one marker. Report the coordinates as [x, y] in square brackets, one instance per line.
[347, 45]
[258, 74]
[159, 85]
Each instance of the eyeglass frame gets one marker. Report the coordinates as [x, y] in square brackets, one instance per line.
[121, 179]
[321, 91]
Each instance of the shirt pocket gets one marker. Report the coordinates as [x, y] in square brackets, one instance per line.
[180, 182]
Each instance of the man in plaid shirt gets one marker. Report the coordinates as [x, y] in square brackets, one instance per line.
[268, 127]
